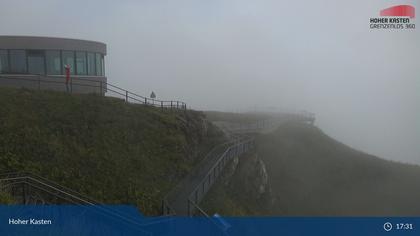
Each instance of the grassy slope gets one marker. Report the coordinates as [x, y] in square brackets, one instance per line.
[6, 198]
[312, 174]
[102, 147]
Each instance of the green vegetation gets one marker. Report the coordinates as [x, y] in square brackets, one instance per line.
[102, 147]
[310, 174]
[6, 198]
[116, 152]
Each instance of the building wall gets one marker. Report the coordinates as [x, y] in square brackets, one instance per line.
[38, 63]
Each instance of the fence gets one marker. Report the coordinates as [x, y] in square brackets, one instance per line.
[210, 178]
[175, 202]
[188, 203]
[59, 194]
[85, 85]
[27, 181]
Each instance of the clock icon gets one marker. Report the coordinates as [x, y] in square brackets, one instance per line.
[387, 226]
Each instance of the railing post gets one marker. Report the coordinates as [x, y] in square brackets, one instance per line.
[161, 104]
[171, 104]
[145, 101]
[177, 105]
[126, 96]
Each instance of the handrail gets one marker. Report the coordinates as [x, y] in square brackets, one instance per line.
[238, 144]
[48, 186]
[167, 209]
[243, 144]
[102, 86]
[214, 172]
[48, 183]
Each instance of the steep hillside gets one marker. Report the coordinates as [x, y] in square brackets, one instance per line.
[300, 171]
[102, 147]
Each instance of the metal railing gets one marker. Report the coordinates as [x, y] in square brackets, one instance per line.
[215, 171]
[86, 85]
[66, 195]
[39, 183]
[239, 144]
[242, 145]
[168, 205]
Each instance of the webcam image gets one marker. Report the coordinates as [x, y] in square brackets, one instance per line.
[220, 117]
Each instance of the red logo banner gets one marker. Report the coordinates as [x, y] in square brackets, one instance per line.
[401, 10]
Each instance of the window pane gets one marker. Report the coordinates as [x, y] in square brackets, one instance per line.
[102, 66]
[68, 59]
[18, 61]
[98, 64]
[81, 63]
[53, 62]
[4, 62]
[91, 63]
[36, 62]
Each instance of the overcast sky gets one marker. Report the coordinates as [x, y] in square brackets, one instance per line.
[241, 55]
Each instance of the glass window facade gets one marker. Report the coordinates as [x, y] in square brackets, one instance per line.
[102, 65]
[53, 59]
[81, 63]
[68, 59]
[4, 61]
[99, 62]
[36, 62]
[51, 62]
[18, 61]
[91, 63]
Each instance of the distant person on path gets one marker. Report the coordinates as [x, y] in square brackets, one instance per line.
[67, 68]
[153, 95]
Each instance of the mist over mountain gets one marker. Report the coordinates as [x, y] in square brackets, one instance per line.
[300, 171]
